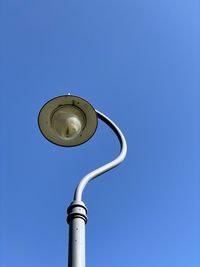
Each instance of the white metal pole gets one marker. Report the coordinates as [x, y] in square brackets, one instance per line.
[77, 218]
[77, 211]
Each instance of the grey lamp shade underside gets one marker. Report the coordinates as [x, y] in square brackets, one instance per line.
[67, 120]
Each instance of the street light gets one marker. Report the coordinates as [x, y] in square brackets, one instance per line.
[70, 121]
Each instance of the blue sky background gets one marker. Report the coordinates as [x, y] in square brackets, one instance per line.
[136, 61]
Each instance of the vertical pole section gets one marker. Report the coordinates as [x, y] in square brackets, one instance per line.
[77, 219]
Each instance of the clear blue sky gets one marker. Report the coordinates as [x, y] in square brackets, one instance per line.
[138, 62]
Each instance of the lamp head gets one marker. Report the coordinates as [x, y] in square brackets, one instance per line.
[67, 120]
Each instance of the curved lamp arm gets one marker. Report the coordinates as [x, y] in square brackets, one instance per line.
[90, 176]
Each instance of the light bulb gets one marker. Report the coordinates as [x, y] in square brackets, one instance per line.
[68, 121]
